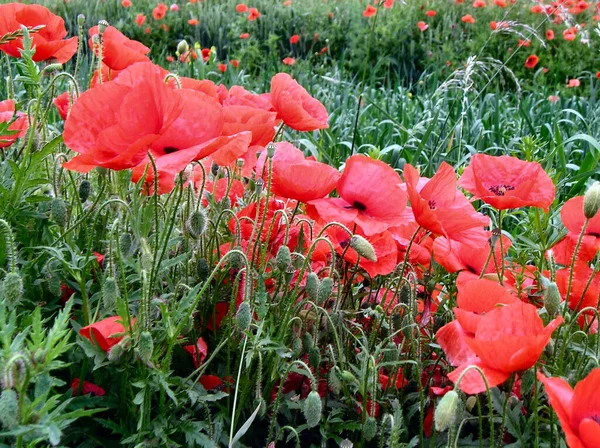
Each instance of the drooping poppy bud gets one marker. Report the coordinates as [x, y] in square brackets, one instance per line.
[243, 316]
[552, 299]
[314, 357]
[447, 411]
[591, 201]
[145, 347]
[12, 288]
[59, 212]
[110, 293]
[84, 190]
[196, 223]
[312, 285]
[363, 248]
[325, 290]
[283, 258]
[125, 244]
[370, 428]
[312, 409]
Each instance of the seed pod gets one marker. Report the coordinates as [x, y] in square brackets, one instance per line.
[196, 223]
[370, 428]
[84, 190]
[312, 409]
[591, 201]
[325, 289]
[202, 269]
[447, 410]
[110, 293]
[258, 186]
[283, 258]
[102, 25]
[243, 316]
[308, 342]
[80, 19]
[314, 357]
[125, 244]
[271, 147]
[12, 288]
[363, 248]
[59, 212]
[9, 409]
[312, 285]
[552, 299]
[145, 347]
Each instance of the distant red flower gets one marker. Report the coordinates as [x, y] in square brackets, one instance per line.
[289, 61]
[253, 14]
[422, 26]
[532, 61]
[507, 182]
[222, 68]
[439, 207]
[106, 333]
[369, 196]
[294, 39]
[370, 11]
[287, 3]
[87, 388]
[126, 3]
[430, 13]
[295, 106]
[573, 83]
[193, 22]
[537, 9]
[160, 11]
[507, 339]
[20, 125]
[241, 7]
[500, 3]
[244, 35]
[118, 51]
[388, 4]
[140, 19]
[479, 4]
[549, 35]
[577, 409]
[49, 42]
[198, 351]
[468, 18]
[234, 63]
[174, 7]
[299, 178]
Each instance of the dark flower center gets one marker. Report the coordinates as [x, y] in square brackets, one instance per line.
[596, 418]
[499, 190]
[170, 150]
[359, 206]
[432, 205]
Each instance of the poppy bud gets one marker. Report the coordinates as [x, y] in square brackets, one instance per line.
[348, 377]
[145, 347]
[471, 402]
[84, 190]
[312, 285]
[52, 68]
[12, 288]
[196, 223]
[125, 244]
[59, 212]
[363, 248]
[370, 428]
[102, 25]
[335, 383]
[147, 258]
[80, 19]
[314, 357]
[297, 347]
[16, 371]
[243, 316]
[390, 354]
[214, 169]
[591, 201]
[271, 150]
[116, 352]
[9, 409]
[239, 163]
[110, 293]
[325, 289]
[283, 258]
[552, 299]
[236, 260]
[308, 342]
[312, 409]
[182, 47]
[38, 356]
[53, 285]
[202, 269]
[447, 411]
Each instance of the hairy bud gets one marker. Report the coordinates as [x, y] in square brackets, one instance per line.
[314, 357]
[243, 316]
[552, 299]
[125, 244]
[283, 258]
[59, 212]
[196, 223]
[312, 409]
[9, 409]
[370, 428]
[145, 347]
[110, 293]
[363, 248]
[325, 289]
[312, 285]
[447, 410]
[84, 190]
[591, 201]
[12, 288]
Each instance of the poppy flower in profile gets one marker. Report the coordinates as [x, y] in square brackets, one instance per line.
[507, 182]
[479, 4]
[160, 11]
[295, 106]
[296, 177]
[422, 26]
[198, 351]
[369, 196]
[370, 11]
[87, 388]
[245, 118]
[430, 13]
[193, 22]
[507, 339]
[19, 126]
[577, 409]
[49, 42]
[253, 14]
[573, 83]
[549, 35]
[61, 102]
[531, 61]
[118, 51]
[500, 3]
[294, 39]
[388, 4]
[126, 3]
[289, 61]
[468, 18]
[244, 35]
[241, 8]
[439, 207]
[105, 333]
[140, 19]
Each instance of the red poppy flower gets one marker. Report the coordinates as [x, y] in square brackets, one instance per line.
[468, 18]
[160, 11]
[532, 61]
[506, 182]
[439, 207]
[370, 11]
[62, 104]
[297, 177]
[48, 42]
[294, 39]
[430, 13]
[259, 122]
[234, 189]
[140, 19]
[574, 83]
[126, 3]
[193, 22]
[500, 3]
[20, 125]
[549, 35]
[370, 197]
[289, 61]
[577, 409]
[87, 388]
[507, 339]
[210, 382]
[238, 96]
[118, 51]
[479, 4]
[106, 333]
[222, 68]
[244, 35]
[422, 26]
[234, 63]
[253, 14]
[295, 106]
[241, 8]
[198, 351]
[388, 4]
[573, 219]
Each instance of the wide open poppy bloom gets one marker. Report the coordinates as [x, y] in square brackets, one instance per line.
[48, 42]
[577, 409]
[369, 11]
[507, 339]
[296, 177]
[106, 333]
[370, 197]
[247, 118]
[295, 106]
[19, 126]
[531, 61]
[118, 51]
[439, 207]
[506, 182]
